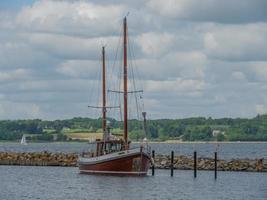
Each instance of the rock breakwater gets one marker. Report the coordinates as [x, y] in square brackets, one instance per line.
[205, 163]
[38, 159]
[161, 161]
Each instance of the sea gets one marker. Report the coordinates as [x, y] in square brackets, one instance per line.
[225, 150]
[65, 183]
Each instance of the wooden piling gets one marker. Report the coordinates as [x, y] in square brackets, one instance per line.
[172, 156]
[215, 165]
[153, 165]
[195, 164]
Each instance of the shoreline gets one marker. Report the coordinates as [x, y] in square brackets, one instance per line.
[207, 142]
[149, 142]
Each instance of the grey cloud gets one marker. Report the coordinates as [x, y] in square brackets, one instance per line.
[227, 11]
[190, 62]
[189, 65]
[76, 17]
[237, 43]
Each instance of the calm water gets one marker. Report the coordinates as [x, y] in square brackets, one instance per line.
[28, 182]
[225, 150]
[19, 183]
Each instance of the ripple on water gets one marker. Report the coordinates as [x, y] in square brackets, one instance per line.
[22, 182]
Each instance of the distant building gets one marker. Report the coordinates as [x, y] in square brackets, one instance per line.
[55, 137]
[215, 133]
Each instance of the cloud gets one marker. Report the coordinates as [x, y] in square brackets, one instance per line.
[80, 68]
[18, 74]
[186, 65]
[237, 42]
[155, 44]
[11, 110]
[239, 75]
[261, 109]
[227, 11]
[193, 58]
[68, 47]
[70, 17]
[259, 69]
[177, 85]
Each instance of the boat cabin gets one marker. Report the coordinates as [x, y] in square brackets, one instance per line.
[110, 146]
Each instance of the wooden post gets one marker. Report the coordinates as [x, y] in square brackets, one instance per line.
[153, 165]
[172, 155]
[195, 164]
[215, 165]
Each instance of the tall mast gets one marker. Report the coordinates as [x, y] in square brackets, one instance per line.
[125, 92]
[104, 110]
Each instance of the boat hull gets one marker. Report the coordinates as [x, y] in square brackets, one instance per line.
[128, 163]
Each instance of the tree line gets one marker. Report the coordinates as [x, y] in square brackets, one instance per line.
[189, 129]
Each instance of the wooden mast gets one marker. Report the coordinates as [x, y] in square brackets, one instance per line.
[104, 110]
[125, 89]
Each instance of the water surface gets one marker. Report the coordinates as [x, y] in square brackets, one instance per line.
[59, 183]
[225, 150]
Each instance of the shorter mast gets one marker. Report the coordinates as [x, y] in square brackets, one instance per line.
[104, 109]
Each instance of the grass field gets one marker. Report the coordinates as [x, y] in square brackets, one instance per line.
[84, 136]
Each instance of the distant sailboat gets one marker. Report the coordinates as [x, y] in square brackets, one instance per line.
[23, 140]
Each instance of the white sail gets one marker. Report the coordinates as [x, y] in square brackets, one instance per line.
[23, 140]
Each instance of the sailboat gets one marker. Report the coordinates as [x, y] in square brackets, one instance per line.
[23, 140]
[114, 156]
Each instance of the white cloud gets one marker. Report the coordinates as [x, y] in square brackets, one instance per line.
[68, 47]
[187, 65]
[239, 75]
[194, 57]
[14, 110]
[155, 44]
[261, 109]
[237, 42]
[177, 85]
[226, 11]
[260, 70]
[80, 68]
[14, 75]
[70, 17]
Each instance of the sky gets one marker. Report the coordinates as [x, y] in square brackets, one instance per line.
[195, 58]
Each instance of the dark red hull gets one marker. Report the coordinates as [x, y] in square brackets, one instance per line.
[132, 164]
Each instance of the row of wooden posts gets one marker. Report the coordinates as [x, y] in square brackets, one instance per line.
[195, 164]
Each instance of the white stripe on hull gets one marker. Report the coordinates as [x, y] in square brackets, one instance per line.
[110, 157]
[113, 172]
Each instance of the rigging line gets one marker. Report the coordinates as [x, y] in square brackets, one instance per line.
[111, 75]
[94, 84]
[91, 86]
[108, 82]
[114, 78]
[141, 83]
[134, 85]
[99, 86]
[116, 57]
[120, 81]
[117, 48]
[119, 96]
[134, 66]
